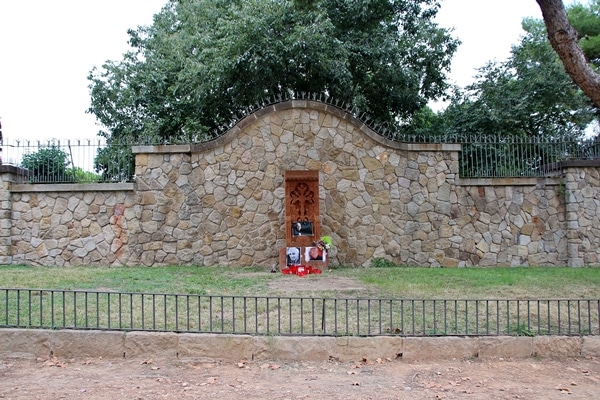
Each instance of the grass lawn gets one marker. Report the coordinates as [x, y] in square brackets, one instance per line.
[395, 282]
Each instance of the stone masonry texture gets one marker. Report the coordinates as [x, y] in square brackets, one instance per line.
[222, 203]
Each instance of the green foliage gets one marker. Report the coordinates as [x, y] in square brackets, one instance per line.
[115, 163]
[203, 62]
[586, 21]
[81, 176]
[521, 330]
[48, 164]
[529, 94]
[380, 262]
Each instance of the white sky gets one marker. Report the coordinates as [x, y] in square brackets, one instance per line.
[48, 47]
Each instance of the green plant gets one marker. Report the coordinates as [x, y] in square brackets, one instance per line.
[521, 330]
[380, 262]
[48, 164]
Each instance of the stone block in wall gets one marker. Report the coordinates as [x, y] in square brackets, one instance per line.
[81, 344]
[557, 346]
[440, 348]
[151, 344]
[371, 348]
[295, 348]
[25, 343]
[591, 346]
[220, 347]
[505, 346]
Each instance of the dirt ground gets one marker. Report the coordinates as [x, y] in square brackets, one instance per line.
[361, 380]
[365, 379]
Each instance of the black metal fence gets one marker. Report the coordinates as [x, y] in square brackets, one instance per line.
[295, 316]
[95, 160]
[70, 161]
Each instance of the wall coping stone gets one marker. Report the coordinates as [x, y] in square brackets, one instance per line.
[72, 187]
[537, 181]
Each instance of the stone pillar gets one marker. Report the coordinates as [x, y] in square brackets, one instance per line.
[574, 240]
[8, 174]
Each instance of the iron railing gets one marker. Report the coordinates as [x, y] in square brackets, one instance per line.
[296, 316]
[93, 160]
[69, 161]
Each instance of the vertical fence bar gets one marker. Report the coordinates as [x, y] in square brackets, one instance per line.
[323, 319]
[335, 316]
[477, 317]
[52, 322]
[558, 301]
[119, 308]
[456, 316]
[108, 309]
[569, 317]
[312, 312]
[210, 313]
[222, 315]
[233, 315]
[29, 307]
[165, 311]
[466, 317]
[445, 316]
[75, 309]
[18, 307]
[347, 314]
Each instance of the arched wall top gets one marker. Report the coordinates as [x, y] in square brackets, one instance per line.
[320, 106]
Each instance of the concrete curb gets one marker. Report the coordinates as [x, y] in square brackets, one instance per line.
[25, 343]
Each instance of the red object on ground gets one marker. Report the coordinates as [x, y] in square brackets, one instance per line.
[300, 270]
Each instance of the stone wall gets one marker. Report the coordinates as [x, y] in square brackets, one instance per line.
[222, 203]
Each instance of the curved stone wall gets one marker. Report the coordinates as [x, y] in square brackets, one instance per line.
[222, 203]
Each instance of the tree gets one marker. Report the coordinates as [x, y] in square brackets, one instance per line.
[564, 40]
[529, 94]
[115, 162]
[586, 21]
[527, 100]
[48, 164]
[204, 62]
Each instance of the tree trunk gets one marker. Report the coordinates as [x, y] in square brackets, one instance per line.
[563, 39]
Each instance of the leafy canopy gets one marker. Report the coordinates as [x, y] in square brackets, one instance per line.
[48, 164]
[202, 62]
[586, 21]
[529, 94]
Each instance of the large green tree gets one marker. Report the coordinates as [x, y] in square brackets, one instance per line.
[527, 99]
[203, 62]
[529, 94]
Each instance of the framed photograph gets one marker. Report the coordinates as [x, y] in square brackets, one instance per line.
[314, 254]
[302, 228]
[293, 256]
